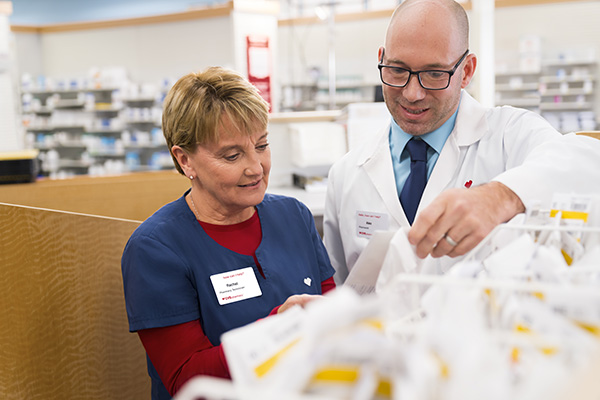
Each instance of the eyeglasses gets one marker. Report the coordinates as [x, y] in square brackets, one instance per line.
[430, 79]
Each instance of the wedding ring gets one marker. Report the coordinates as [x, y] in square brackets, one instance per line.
[450, 241]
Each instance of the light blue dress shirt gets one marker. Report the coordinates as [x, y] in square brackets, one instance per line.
[400, 156]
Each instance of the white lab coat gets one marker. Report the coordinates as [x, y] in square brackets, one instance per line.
[513, 146]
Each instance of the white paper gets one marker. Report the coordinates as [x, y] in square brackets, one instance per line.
[363, 276]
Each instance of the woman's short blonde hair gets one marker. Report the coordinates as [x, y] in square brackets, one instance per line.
[195, 105]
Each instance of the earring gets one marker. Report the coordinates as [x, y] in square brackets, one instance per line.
[191, 177]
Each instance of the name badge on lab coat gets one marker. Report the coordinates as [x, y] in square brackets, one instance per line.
[237, 285]
[368, 222]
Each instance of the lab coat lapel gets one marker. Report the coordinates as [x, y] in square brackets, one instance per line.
[470, 126]
[443, 172]
[377, 164]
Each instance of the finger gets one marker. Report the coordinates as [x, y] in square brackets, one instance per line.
[303, 299]
[444, 246]
[290, 302]
[425, 242]
[424, 221]
[470, 241]
[435, 236]
[465, 245]
[435, 220]
[451, 239]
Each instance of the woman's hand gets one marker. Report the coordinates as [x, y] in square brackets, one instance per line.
[297, 300]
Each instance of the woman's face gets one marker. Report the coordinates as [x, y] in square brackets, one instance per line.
[231, 175]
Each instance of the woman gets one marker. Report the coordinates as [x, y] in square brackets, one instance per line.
[224, 254]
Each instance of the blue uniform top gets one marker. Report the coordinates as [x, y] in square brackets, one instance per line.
[168, 261]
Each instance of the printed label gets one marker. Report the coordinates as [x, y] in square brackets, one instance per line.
[368, 222]
[235, 285]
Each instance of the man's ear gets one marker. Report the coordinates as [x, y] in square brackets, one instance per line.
[470, 64]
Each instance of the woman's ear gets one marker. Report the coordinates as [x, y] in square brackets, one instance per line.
[183, 158]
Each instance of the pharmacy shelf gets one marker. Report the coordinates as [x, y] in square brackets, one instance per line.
[104, 131]
[144, 100]
[60, 91]
[38, 128]
[563, 91]
[569, 63]
[570, 92]
[107, 153]
[568, 79]
[84, 130]
[107, 109]
[516, 72]
[313, 96]
[66, 127]
[41, 110]
[347, 85]
[97, 112]
[518, 89]
[146, 168]
[79, 164]
[69, 103]
[69, 144]
[520, 102]
[315, 201]
[566, 106]
[143, 121]
[507, 87]
[146, 146]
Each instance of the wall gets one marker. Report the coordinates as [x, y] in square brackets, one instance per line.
[40, 12]
[356, 43]
[28, 52]
[152, 52]
[10, 132]
[148, 52]
[569, 27]
[564, 28]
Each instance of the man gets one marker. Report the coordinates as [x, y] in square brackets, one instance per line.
[482, 166]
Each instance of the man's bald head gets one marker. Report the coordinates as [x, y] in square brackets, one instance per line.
[453, 9]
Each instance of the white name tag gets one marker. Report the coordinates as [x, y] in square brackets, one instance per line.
[237, 285]
[369, 222]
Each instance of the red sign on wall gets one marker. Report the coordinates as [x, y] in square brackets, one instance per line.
[259, 65]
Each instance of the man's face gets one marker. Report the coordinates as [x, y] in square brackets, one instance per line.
[415, 109]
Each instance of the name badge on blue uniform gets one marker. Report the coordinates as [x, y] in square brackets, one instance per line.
[237, 285]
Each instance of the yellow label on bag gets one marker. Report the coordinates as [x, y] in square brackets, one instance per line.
[337, 374]
[574, 215]
[593, 329]
[347, 375]
[262, 369]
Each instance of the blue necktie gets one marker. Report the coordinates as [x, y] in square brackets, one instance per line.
[417, 179]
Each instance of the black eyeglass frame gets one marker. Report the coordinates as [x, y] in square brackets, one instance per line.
[450, 73]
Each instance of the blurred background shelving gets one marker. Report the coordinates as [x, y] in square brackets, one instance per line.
[94, 130]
